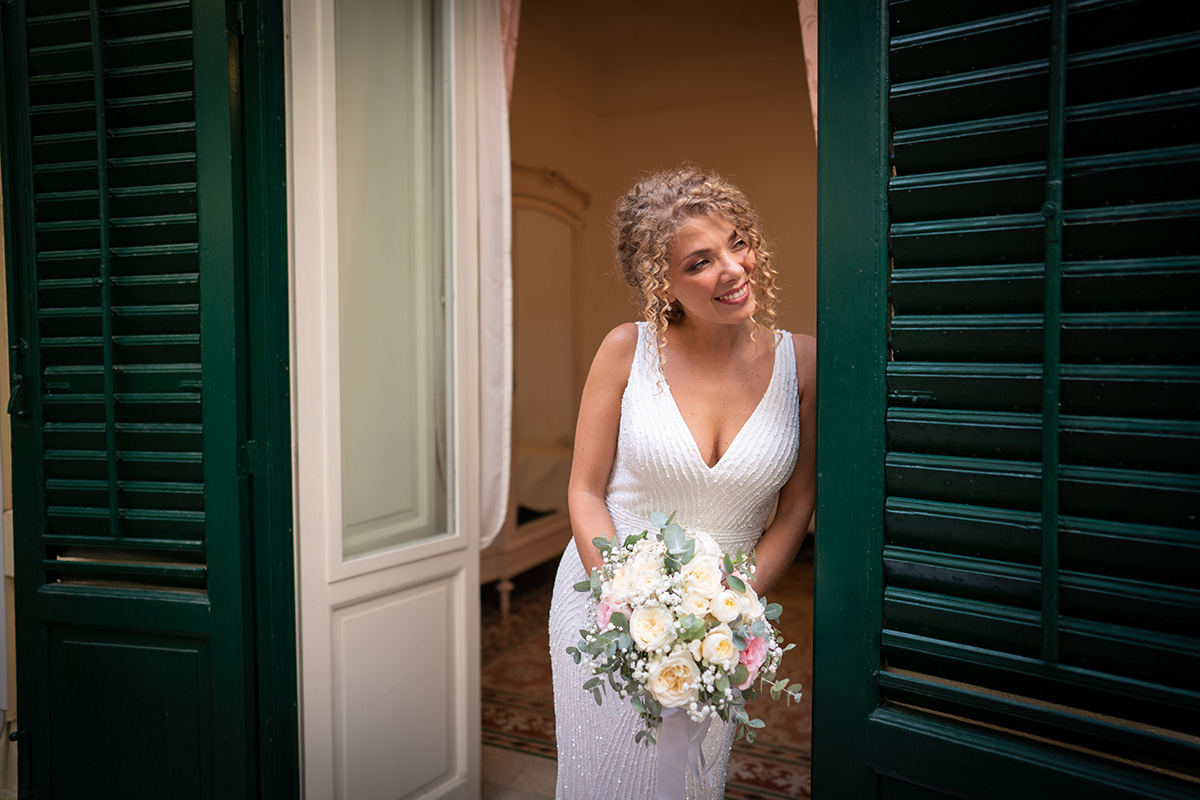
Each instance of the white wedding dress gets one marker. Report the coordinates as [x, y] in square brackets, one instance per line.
[658, 467]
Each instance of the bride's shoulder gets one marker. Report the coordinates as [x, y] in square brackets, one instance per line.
[615, 355]
[805, 348]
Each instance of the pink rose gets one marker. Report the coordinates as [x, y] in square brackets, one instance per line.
[753, 657]
[605, 611]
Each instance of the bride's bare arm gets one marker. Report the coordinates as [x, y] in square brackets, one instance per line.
[778, 546]
[596, 441]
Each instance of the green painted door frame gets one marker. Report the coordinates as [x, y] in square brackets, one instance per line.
[156, 619]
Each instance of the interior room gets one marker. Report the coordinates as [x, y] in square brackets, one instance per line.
[601, 94]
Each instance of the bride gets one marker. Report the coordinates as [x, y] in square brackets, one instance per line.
[702, 408]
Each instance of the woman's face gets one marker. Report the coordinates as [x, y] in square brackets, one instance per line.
[709, 271]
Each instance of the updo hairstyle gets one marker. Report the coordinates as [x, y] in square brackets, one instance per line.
[645, 222]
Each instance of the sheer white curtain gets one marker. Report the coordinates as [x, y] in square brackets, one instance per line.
[808, 36]
[496, 41]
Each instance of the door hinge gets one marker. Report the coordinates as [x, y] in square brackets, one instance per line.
[13, 394]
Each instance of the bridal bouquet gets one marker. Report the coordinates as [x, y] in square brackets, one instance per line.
[677, 626]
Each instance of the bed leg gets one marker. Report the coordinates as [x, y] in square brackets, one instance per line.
[505, 587]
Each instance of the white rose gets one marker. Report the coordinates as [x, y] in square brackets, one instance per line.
[751, 607]
[674, 681]
[702, 575]
[726, 606]
[644, 573]
[694, 648]
[718, 647]
[693, 603]
[652, 628]
[621, 585]
[706, 545]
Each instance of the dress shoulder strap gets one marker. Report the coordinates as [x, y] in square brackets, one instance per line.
[645, 357]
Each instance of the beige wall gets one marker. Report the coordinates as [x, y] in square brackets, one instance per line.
[741, 110]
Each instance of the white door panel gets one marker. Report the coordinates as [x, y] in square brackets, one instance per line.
[386, 395]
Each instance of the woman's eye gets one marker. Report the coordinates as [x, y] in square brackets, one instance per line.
[739, 244]
[698, 265]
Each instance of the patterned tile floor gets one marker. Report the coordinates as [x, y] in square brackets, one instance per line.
[518, 706]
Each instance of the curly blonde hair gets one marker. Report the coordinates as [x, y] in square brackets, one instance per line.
[645, 222]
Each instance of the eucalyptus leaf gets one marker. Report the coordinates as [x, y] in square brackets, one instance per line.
[736, 583]
[583, 586]
[675, 539]
[740, 675]
[592, 684]
[728, 565]
[637, 704]
[689, 551]
[619, 620]
[756, 723]
[773, 611]
[603, 543]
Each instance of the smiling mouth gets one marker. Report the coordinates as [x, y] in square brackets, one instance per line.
[737, 294]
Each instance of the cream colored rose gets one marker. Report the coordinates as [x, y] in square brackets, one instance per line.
[621, 586]
[702, 575]
[726, 606]
[706, 545]
[674, 681]
[644, 573]
[693, 603]
[652, 628]
[752, 608]
[694, 648]
[718, 647]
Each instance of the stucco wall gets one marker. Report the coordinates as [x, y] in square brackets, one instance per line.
[742, 111]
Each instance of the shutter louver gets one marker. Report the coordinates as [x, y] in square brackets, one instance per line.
[964, 626]
[118, 313]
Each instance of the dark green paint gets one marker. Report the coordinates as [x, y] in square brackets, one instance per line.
[144, 689]
[852, 352]
[1051, 326]
[270, 404]
[1011, 498]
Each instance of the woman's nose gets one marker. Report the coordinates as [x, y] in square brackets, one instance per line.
[731, 264]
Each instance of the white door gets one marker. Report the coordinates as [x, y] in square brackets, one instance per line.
[382, 148]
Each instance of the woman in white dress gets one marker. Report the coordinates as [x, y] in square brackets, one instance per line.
[703, 409]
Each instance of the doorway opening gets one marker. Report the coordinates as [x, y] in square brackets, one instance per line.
[603, 93]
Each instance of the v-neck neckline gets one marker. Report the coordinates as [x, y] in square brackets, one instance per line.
[737, 436]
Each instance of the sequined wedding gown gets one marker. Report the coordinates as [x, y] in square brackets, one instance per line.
[658, 467]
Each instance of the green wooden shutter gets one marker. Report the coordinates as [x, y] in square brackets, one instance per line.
[1038, 465]
[125, 260]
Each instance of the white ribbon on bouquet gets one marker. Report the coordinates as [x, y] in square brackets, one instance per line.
[680, 752]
